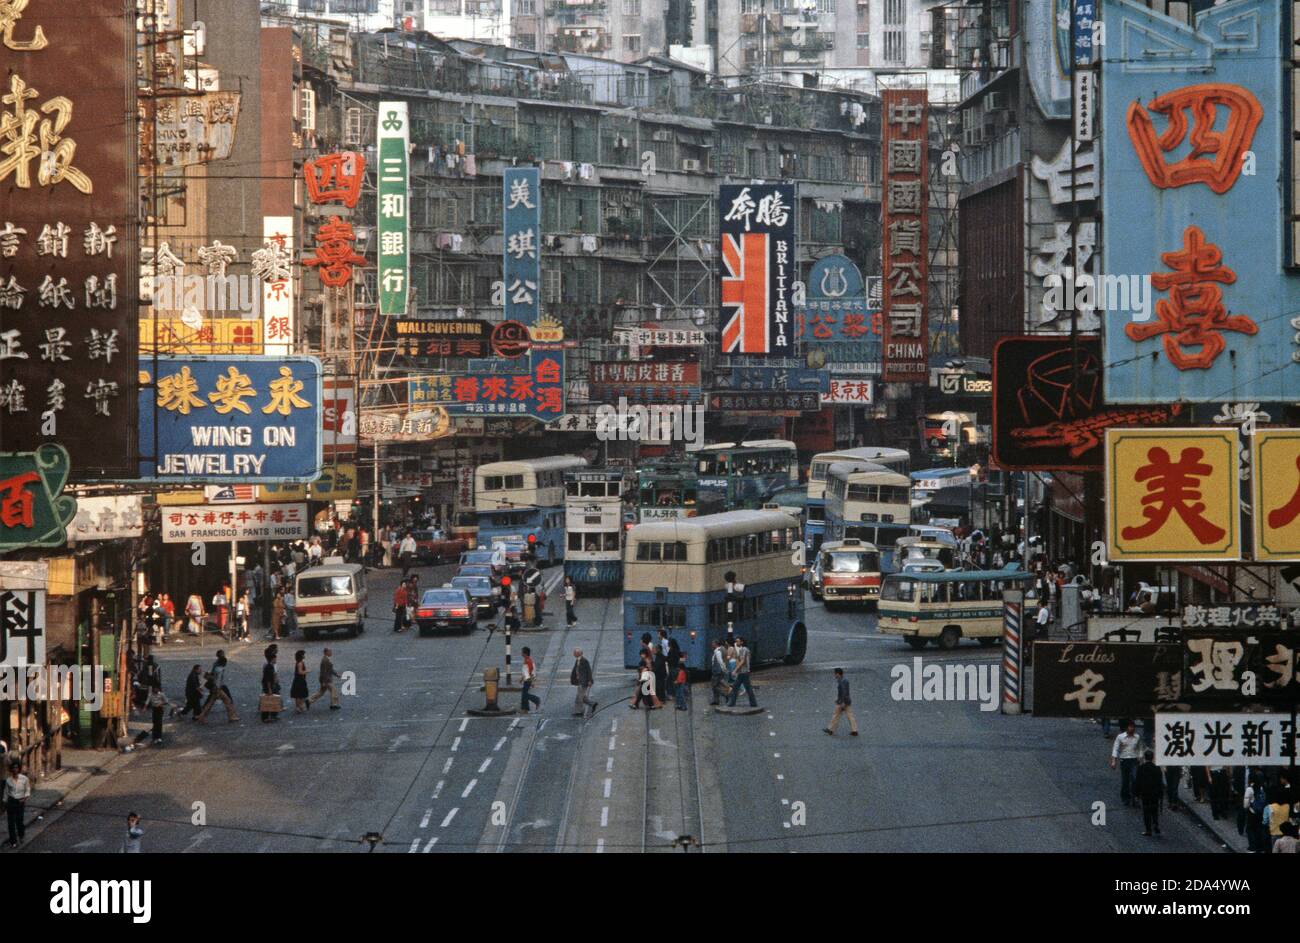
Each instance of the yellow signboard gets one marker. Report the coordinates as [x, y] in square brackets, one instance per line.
[274, 494]
[336, 483]
[212, 336]
[179, 498]
[1171, 495]
[1275, 470]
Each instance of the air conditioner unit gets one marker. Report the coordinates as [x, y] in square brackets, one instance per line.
[662, 136]
[691, 165]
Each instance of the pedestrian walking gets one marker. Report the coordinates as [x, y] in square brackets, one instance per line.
[645, 685]
[194, 615]
[570, 597]
[718, 673]
[270, 683]
[218, 691]
[843, 705]
[1173, 776]
[169, 612]
[399, 607]
[1255, 803]
[681, 687]
[17, 790]
[327, 679]
[581, 678]
[277, 615]
[1149, 786]
[674, 661]
[742, 675]
[406, 552]
[298, 688]
[157, 704]
[221, 606]
[243, 610]
[1220, 793]
[132, 843]
[1125, 754]
[1286, 844]
[530, 675]
[660, 651]
[1276, 813]
[193, 693]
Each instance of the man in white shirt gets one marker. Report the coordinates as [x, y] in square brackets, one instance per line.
[1044, 616]
[406, 551]
[16, 791]
[1125, 754]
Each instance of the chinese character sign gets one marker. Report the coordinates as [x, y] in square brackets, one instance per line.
[838, 317]
[32, 513]
[522, 253]
[1224, 739]
[1195, 146]
[394, 229]
[1171, 494]
[111, 518]
[22, 627]
[538, 393]
[758, 268]
[273, 264]
[1105, 679]
[905, 235]
[185, 524]
[68, 236]
[1275, 473]
[232, 419]
[335, 178]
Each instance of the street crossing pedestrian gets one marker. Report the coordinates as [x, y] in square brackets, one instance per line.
[1125, 754]
[718, 673]
[17, 790]
[132, 844]
[327, 681]
[742, 675]
[681, 687]
[298, 688]
[843, 705]
[218, 691]
[1149, 787]
[399, 607]
[570, 597]
[193, 693]
[526, 696]
[581, 678]
[270, 683]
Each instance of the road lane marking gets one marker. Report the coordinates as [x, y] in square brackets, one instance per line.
[455, 745]
[446, 767]
[463, 724]
[604, 816]
[608, 783]
[437, 790]
[516, 722]
[609, 765]
[429, 847]
[613, 741]
[780, 776]
[600, 845]
[500, 744]
[397, 742]
[469, 788]
[613, 726]
[405, 658]
[424, 822]
[415, 847]
[486, 764]
[450, 815]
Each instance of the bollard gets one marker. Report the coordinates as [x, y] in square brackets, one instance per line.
[491, 693]
[1013, 601]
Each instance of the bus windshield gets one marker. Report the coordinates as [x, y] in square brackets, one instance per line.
[325, 586]
[851, 561]
[896, 590]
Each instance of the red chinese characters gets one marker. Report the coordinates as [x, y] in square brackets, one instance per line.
[1193, 316]
[335, 177]
[16, 502]
[334, 253]
[1286, 513]
[1213, 157]
[1174, 488]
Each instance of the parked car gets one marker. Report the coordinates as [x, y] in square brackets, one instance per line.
[445, 610]
[430, 549]
[481, 592]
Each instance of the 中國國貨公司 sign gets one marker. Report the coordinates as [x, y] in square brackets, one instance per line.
[188, 524]
[247, 420]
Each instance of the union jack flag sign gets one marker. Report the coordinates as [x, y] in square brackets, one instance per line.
[757, 229]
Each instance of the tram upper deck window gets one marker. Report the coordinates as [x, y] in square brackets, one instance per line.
[611, 540]
[653, 551]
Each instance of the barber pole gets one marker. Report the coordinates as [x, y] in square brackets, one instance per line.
[1013, 602]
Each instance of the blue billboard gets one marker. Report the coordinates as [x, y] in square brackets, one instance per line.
[1198, 307]
[838, 317]
[521, 192]
[230, 419]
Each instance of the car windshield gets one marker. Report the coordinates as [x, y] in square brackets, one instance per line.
[325, 586]
[896, 590]
[475, 584]
[478, 556]
[442, 597]
[484, 571]
[850, 562]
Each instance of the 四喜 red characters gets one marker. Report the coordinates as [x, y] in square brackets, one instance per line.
[1171, 494]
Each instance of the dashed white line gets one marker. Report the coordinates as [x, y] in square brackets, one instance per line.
[465, 723]
[780, 776]
[613, 726]
[437, 790]
[609, 765]
[469, 788]
[613, 741]
[446, 767]
[604, 816]
[500, 744]
[516, 722]
[429, 847]
[450, 815]
[771, 733]
[600, 846]
[424, 822]
[455, 745]
[486, 764]
[415, 847]
[608, 784]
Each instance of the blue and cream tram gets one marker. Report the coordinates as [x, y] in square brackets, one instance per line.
[593, 524]
[674, 578]
[523, 499]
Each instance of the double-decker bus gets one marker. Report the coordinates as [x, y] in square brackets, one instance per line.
[815, 514]
[675, 578]
[742, 476]
[523, 499]
[593, 524]
[870, 505]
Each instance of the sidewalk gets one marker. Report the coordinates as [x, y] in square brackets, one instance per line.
[1225, 830]
[58, 794]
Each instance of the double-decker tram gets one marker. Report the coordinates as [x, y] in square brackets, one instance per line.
[815, 509]
[667, 490]
[742, 476]
[593, 524]
[524, 500]
[870, 505]
[675, 578]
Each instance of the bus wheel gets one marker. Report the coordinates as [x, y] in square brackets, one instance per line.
[949, 638]
[988, 641]
[916, 642]
[798, 646]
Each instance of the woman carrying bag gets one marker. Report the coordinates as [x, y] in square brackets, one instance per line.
[270, 704]
[298, 690]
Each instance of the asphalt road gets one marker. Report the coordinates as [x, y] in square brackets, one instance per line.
[403, 759]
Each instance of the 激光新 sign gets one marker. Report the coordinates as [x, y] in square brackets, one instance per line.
[1224, 739]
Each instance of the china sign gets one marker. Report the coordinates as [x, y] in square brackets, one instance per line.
[182, 525]
[1171, 494]
[905, 235]
[758, 268]
[22, 627]
[394, 196]
[848, 391]
[1224, 739]
[68, 233]
[1196, 136]
[236, 419]
[32, 513]
[645, 382]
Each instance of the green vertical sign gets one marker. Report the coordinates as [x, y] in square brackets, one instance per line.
[393, 129]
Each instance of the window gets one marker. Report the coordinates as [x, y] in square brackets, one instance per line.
[893, 45]
[631, 7]
[492, 483]
[864, 40]
[632, 43]
[514, 481]
[611, 541]
[895, 13]
[325, 586]
[667, 617]
[575, 541]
